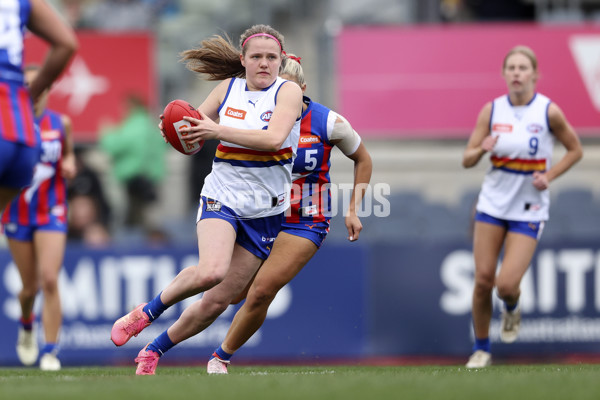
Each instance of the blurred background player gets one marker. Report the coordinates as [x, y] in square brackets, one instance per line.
[307, 221]
[19, 139]
[244, 197]
[35, 224]
[518, 130]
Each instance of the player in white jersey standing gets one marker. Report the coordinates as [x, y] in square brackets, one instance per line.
[244, 197]
[518, 130]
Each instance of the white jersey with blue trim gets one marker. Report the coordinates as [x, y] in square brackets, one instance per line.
[253, 183]
[524, 146]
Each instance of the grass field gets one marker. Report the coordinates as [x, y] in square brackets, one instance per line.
[547, 382]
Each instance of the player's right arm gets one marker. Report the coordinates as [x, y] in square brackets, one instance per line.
[68, 163]
[349, 142]
[287, 110]
[479, 144]
[48, 25]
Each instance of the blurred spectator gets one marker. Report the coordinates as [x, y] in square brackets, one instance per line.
[156, 237]
[89, 211]
[84, 224]
[137, 152]
[201, 166]
[87, 183]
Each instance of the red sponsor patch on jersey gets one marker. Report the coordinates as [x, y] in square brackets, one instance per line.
[235, 113]
[308, 140]
[50, 134]
[503, 128]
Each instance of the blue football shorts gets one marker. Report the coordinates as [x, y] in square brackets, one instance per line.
[529, 228]
[255, 235]
[16, 164]
[24, 233]
[316, 232]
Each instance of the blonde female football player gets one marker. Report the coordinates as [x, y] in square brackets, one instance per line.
[518, 130]
[244, 197]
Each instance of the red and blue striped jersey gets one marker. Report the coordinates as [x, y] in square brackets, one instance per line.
[311, 195]
[16, 115]
[47, 194]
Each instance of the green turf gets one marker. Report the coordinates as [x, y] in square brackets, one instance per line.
[506, 382]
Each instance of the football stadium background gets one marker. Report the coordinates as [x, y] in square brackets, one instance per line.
[411, 78]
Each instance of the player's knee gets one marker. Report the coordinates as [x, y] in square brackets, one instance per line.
[507, 291]
[208, 276]
[261, 295]
[484, 285]
[49, 284]
[29, 291]
[212, 308]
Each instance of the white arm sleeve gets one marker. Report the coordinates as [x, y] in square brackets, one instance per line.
[342, 132]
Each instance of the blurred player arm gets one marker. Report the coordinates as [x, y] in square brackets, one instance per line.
[48, 25]
[68, 164]
[565, 134]
[479, 144]
[348, 141]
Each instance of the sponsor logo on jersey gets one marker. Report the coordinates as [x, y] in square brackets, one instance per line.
[503, 128]
[58, 211]
[309, 140]
[268, 239]
[50, 134]
[280, 199]
[532, 207]
[213, 205]
[534, 128]
[309, 211]
[235, 113]
[266, 116]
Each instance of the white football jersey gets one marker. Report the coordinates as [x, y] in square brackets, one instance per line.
[524, 145]
[253, 183]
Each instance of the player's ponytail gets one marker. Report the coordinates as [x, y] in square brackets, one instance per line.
[216, 57]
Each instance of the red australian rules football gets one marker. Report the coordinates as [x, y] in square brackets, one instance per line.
[173, 121]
